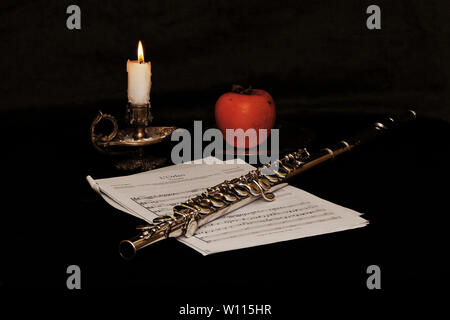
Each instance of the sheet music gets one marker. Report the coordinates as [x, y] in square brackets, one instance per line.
[294, 213]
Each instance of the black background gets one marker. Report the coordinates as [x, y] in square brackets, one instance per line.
[329, 76]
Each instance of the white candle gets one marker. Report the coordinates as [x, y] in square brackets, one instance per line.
[139, 79]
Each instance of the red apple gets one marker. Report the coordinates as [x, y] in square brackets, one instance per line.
[245, 109]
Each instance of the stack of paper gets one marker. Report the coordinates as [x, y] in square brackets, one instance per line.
[294, 213]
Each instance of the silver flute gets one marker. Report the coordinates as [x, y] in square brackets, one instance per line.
[227, 196]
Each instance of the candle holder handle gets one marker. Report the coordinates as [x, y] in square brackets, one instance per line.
[100, 139]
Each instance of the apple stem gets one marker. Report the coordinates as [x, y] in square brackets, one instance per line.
[240, 89]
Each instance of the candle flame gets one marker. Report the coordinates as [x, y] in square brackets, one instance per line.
[140, 53]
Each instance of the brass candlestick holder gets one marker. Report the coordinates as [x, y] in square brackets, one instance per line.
[130, 142]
